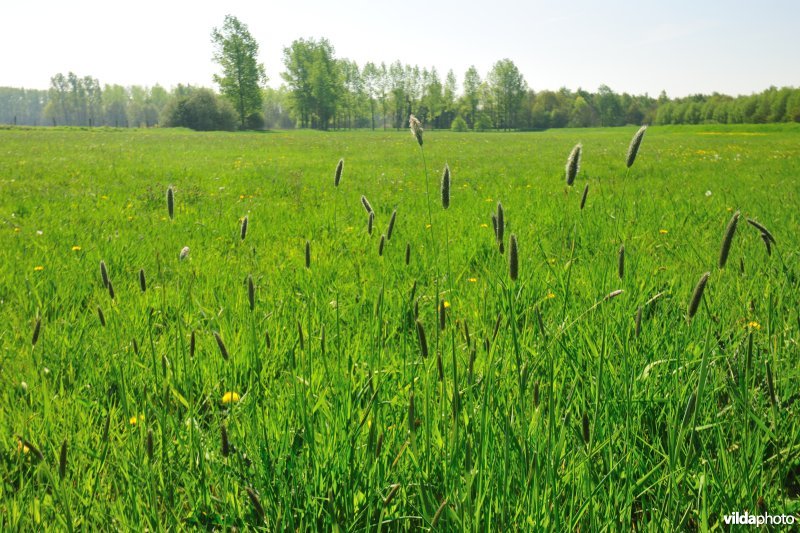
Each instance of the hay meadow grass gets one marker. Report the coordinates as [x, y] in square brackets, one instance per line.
[294, 371]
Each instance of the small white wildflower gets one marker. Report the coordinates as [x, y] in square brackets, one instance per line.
[708, 193]
[184, 253]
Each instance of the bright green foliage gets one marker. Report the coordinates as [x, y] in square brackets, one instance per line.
[566, 414]
[315, 80]
[459, 124]
[200, 110]
[242, 75]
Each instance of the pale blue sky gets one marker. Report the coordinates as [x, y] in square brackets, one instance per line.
[683, 47]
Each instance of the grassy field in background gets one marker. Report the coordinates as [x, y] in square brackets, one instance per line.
[539, 404]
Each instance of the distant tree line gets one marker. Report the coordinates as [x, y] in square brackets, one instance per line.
[323, 92]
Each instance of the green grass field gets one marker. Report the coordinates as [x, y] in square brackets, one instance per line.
[554, 411]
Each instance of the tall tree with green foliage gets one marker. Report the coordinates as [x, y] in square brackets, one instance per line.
[243, 76]
[508, 89]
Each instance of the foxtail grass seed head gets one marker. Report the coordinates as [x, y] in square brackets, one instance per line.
[689, 411]
[697, 295]
[439, 365]
[337, 177]
[370, 222]
[416, 128]
[184, 253]
[192, 344]
[771, 385]
[536, 394]
[366, 204]
[226, 446]
[150, 445]
[573, 164]
[135, 347]
[381, 245]
[300, 335]
[727, 239]
[267, 340]
[438, 514]
[243, 231]
[308, 254]
[613, 294]
[513, 258]
[638, 322]
[104, 273]
[585, 427]
[101, 316]
[767, 244]
[442, 315]
[633, 148]
[110, 289]
[494, 226]
[446, 187]
[762, 229]
[408, 253]
[501, 223]
[142, 281]
[390, 228]
[36, 330]
[255, 501]
[221, 345]
[171, 203]
[416, 309]
[322, 340]
[379, 445]
[62, 460]
[394, 488]
[621, 262]
[423, 341]
[251, 292]
[33, 449]
[583, 197]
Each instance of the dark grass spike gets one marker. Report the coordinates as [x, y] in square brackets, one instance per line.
[150, 445]
[727, 239]
[251, 292]
[442, 315]
[255, 501]
[111, 289]
[423, 341]
[497, 326]
[416, 128]
[494, 226]
[633, 148]
[104, 273]
[370, 222]
[501, 225]
[37, 328]
[243, 231]
[440, 366]
[438, 515]
[337, 177]
[135, 347]
[33, 449]
[697, 295]
[192, 344]
[101, 316]
[170, 202]
[322, 339]
[62, 460]
[767, 243]
[142, 281]
[381, 245]
[390, 228]
[446, 187]
[585, 428]
[366, 204]
[308, 254]
[408, 253]
[583, 197]
[513, 258]
[394, 488]
[762, 229]
[300, 335]
[573, 164]
[621, 262]
[225, 444]
[222, 349]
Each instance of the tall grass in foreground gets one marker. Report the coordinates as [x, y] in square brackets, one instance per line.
[309, 378]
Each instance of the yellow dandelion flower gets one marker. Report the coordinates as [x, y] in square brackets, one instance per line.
[663, 231]
[549, 296]
[135, 419]
[446, 304]
[489, 200]
[230, 397]
[473, 280]
[427, 226]
[241, 197]
[76, 248]
[484, 225]
[753, 325]
[38, 268]
[21, 448]
[16, 230]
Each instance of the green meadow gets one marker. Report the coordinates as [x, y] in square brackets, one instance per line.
[277, 377]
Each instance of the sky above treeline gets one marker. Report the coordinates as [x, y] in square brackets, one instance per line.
[682, 47]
